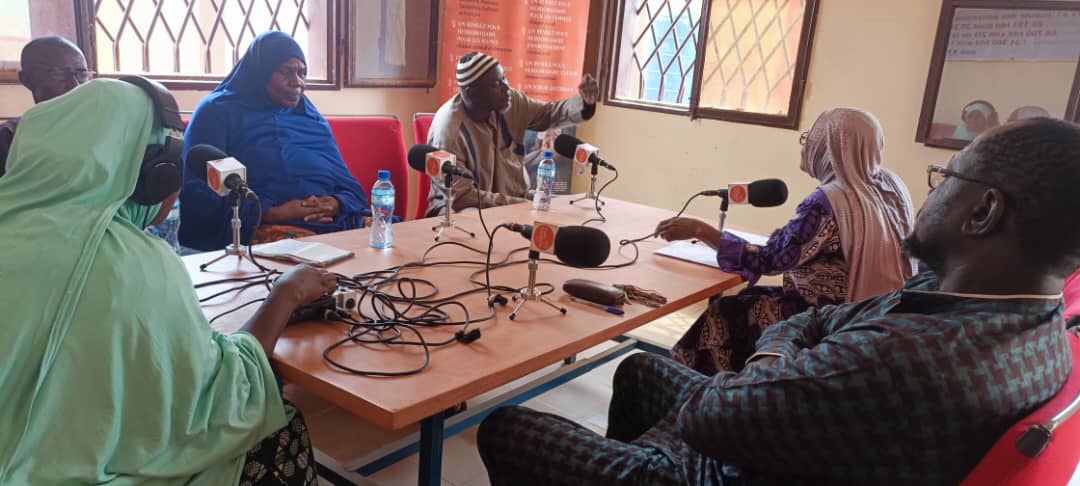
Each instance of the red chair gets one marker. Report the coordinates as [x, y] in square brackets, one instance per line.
[372, 143]
[421, 123]
[1044, 447]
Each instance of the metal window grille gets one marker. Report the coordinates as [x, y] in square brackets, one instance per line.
[658, 49]
[202, 39]
[751, 54]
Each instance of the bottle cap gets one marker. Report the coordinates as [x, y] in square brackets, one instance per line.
[549, 154]
[384, 175]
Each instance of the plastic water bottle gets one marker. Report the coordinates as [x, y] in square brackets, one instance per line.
[545, 181]
[382, 211]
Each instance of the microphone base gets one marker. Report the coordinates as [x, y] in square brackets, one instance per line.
[447, 221]
[527, 295]
[235, 249]
[531, 293]
[591, 195]
[240, 253]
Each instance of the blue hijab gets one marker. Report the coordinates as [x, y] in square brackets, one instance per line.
[290, 153]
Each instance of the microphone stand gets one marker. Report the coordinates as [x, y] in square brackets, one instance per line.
[447, 221]
[234, 249]
[591, 195]
[723, 212]
[531, 293]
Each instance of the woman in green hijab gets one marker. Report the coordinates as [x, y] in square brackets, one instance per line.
[109, 372]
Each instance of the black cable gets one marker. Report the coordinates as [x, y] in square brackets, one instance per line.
[680, 213]
[601, 218]
[258, 221]
[234, 309]
[392, 307]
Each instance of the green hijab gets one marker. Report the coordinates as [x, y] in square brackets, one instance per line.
[109, 372]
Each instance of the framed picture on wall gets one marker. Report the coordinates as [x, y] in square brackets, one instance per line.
[391, 43]
[1000, 61]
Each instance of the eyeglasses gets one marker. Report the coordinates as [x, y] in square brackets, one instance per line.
[64, 74]
[802, 137]
[936, 175]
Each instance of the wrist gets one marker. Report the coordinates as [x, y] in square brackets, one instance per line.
[284, 295]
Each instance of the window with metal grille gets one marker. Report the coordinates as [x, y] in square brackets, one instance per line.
[738, 60]
[656, 51]
[197, 41]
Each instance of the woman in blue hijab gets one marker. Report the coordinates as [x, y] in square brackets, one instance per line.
[260, 116]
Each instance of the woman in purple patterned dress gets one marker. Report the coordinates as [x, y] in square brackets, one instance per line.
[843, 245]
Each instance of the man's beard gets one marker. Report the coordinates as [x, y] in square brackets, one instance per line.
[930, 255]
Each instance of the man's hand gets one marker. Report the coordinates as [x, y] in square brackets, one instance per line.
[589, 90]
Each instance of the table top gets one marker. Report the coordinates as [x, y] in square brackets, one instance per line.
[507, 349]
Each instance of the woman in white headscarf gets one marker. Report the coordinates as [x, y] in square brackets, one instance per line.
[844, 244]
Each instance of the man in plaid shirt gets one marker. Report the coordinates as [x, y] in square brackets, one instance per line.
[912, 387]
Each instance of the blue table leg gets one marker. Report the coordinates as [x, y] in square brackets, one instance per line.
[431, 443]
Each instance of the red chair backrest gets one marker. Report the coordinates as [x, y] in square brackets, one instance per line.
[1071, 295]
[1005, 465]
[421, 123]
[372, 143]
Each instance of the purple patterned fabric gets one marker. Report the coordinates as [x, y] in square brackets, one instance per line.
[807, 251]
[783, 249]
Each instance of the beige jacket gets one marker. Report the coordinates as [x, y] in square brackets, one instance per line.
[493, 150]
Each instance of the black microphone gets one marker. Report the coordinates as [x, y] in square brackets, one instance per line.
[764, 193]
[222, 173]
[578, 246]
[567, 146]
[418, 160]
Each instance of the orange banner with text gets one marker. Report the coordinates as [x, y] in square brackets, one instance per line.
[539, 43]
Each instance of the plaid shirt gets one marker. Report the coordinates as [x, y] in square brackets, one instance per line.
[912, 387]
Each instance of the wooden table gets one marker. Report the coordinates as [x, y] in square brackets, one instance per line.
[508, 350]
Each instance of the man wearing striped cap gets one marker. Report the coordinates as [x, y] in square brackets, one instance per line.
[484, 126]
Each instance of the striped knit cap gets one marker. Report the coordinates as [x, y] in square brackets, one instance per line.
[472, 66]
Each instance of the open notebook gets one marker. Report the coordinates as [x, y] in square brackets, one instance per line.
[310, 252]
[700, 252]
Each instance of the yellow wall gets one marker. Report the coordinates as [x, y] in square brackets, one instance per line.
[402, 102]
[868, 54]
[1007, 85]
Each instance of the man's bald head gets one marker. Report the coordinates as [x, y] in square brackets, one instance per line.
[52, 66]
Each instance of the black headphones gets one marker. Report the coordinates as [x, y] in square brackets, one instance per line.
[162, 171]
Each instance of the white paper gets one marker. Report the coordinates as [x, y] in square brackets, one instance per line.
[692, 252]
[701, 253]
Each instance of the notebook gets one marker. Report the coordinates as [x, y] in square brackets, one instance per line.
[700, 253]
[309, 252]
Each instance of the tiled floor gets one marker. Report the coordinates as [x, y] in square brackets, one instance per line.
[338, 435]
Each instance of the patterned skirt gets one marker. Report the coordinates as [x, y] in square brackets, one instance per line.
[283, 459]
[724, 336]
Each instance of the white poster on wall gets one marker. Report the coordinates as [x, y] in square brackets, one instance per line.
[1020, 35]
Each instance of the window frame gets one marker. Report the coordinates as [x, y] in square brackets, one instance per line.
[614, 14]
[84, 27]
[346, 54]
